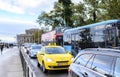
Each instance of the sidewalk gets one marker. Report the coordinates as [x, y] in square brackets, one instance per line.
[10, 63]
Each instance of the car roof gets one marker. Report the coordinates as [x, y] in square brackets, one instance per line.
[36, 45]
[105, 51]
[52, 46]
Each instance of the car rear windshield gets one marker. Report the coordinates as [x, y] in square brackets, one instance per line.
[55, 50]
[36, 47]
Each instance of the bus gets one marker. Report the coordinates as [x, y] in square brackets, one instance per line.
[54, 36]
[105, 34]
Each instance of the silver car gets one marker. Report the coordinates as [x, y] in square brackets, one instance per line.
[33, 50]
[99, 62]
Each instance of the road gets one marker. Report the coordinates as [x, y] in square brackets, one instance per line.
[59, 73]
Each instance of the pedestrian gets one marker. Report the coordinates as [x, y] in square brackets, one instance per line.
[1, 47]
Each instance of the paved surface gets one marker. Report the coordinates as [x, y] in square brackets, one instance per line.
[58, 73]
[10, 63]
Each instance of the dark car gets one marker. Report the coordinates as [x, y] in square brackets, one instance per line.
[96, 62]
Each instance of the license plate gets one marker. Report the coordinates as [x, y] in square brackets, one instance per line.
[61, 64]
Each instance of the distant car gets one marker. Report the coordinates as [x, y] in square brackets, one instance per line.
[33, 50]
[27, 47]
[98, 62]
[53, 57]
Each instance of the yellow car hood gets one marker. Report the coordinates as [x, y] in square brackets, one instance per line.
[59, 57]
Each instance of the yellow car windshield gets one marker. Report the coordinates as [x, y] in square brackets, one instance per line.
[55, 50]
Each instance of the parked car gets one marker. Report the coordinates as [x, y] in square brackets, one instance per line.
[53, 57]
[96, 62]
[33, 50]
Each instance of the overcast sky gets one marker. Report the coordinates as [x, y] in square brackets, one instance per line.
[18, 15]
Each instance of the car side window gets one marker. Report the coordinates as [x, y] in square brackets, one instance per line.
[83, 59]
[117, 68]
[102, 64]
[89, 64]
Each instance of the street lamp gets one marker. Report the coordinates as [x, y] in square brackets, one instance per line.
[38, 35]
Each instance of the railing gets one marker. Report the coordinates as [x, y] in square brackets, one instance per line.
[28, 69]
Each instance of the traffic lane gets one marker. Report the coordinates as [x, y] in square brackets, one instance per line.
[58, 73]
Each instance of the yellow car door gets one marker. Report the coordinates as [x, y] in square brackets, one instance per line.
[40, 55]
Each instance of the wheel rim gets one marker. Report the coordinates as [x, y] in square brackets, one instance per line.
[43, 68]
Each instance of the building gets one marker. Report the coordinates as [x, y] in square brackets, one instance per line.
[27, 37]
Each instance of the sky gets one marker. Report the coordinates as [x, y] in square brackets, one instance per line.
[18, 15]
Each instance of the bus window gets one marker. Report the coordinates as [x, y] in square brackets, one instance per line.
[118, 34]
[110, 35]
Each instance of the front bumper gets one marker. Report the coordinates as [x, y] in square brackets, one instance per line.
[56, 66]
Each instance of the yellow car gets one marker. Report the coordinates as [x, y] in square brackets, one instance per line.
[53, 58]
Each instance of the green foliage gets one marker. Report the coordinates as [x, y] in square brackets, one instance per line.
[65, 13]
[112, 8]
[78, 16]
[94, 9]
[37, 36]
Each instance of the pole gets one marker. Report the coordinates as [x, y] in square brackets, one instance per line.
[38, 36]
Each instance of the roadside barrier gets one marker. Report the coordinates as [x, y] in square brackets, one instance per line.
[28, 69]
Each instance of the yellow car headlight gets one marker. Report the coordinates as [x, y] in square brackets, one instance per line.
[48, 59]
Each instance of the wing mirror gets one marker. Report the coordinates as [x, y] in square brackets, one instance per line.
[41, 53]
[68, 52]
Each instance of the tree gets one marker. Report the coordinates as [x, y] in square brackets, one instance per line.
[37, 36]
[60, 15]
[57, 15]
[112, 9]
[67, 11]
[78, 16]
[44, 18]
[94, 10]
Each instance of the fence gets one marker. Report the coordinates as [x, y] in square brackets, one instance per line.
[28, 69]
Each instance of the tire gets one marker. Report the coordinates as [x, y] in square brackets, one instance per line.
[43, 68]
[38, 64]
[29, 55]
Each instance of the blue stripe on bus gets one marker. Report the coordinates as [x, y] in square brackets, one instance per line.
[95, 24]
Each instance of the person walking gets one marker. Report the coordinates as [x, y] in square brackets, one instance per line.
[1, 47]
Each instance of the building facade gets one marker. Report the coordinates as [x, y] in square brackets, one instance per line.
[27, 37]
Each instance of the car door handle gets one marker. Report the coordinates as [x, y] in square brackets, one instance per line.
[85, 74]
[108, 75]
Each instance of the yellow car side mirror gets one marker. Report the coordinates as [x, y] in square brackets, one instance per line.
[68, 52]
[41, 53]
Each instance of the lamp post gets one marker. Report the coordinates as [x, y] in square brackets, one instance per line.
[38, 35]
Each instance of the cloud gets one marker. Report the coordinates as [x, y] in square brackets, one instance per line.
[13, 27]
[76, 1]
[8, 20]
[8, 7]
[7, 39]
[26, 6]
[30, 3]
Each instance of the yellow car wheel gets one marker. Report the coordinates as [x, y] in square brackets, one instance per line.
[38, 64]
[43, 68]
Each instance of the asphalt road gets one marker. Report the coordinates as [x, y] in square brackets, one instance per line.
[59, 73]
